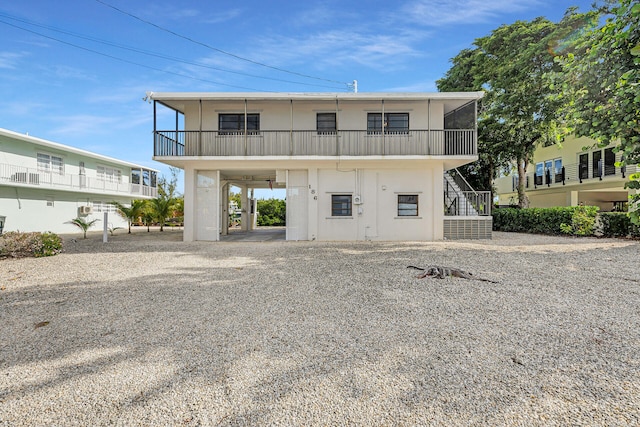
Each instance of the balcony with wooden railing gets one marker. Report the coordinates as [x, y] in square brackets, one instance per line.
[32, 177]
[448, 142]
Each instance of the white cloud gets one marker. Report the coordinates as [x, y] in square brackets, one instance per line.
[82, 124]
[443, 12]
[10, 60]
[342, 47]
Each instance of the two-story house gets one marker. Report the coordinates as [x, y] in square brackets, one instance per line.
[356, 166]
[569, 174]
[44, 184]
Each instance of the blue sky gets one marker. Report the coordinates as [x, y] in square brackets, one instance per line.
[75, 71]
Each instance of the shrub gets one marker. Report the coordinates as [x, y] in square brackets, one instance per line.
[15, 244]
[272, 212]
[582, 221]
[577, 220]
[617, 224]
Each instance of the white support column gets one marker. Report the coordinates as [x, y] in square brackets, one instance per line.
[246, 209]
[225, 207]
[312, 225]
[189, 204]
[573, 198]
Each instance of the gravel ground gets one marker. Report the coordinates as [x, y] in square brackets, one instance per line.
[148, 330]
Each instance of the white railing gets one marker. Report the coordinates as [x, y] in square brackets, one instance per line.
[25, 176]
[447, 142]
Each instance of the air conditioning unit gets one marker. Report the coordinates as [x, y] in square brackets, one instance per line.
[86, 210]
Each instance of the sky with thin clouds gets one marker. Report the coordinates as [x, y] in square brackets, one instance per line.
[76, 71]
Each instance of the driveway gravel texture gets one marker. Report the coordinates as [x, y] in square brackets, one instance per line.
[152, 331]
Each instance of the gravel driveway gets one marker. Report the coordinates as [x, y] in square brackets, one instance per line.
[148, 330]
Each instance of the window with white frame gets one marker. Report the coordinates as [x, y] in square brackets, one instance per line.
[50, 164]
[99, 206]
[109, 174]
[407, 205]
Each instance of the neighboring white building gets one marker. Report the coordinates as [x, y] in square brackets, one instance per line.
[356, 166]
[43, 184]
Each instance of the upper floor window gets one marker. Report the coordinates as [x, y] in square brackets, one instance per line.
[50, 163]
[145, 177]
[106, 173]
[394, 123]
[609, 162]
[539, 173]
[584, 166]
[326, 123]
[407, 205]
[341, 205]
[557, 170]
[231, 124]
[596, 165]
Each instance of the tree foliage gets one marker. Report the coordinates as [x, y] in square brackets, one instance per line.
[83, 224]
[131, 213]
[272, 212]
[518, 112]
[600, 83]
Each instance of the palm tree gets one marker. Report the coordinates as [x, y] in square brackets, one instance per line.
[83, 224]
[132, 213]
[161, 208]
[147, 217]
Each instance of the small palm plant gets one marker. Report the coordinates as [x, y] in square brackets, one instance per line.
[131, 213]
[162, 207]
[83, 224]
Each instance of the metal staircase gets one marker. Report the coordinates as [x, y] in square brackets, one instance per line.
[467, 212]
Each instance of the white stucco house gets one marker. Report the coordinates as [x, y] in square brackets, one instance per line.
[356, 166]
[44, 184]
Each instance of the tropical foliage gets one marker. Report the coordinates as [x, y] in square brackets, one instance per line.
[272, 212]
[15, 244]
[599, 83]
[83, 224]
[131, 213]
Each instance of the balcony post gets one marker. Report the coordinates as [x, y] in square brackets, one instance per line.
[199, 127]
[475, 127]
[428, 151]
[337, 127]
[155, 135]
[291, 130]
[384, 144]
[245, 127]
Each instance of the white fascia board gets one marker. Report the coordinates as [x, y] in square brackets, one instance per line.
[318, 96]
[54, 145]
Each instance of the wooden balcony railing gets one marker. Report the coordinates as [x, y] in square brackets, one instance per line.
[24, 176]
[449, 142]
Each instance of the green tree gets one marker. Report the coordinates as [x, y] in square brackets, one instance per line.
[517, 113]
[600, 82]
[272, 212]
[163, 206]
[161, 209]
[83, 224]
[131, 213]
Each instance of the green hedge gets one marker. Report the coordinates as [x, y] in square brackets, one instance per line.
[575, 220]
[617, 224]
